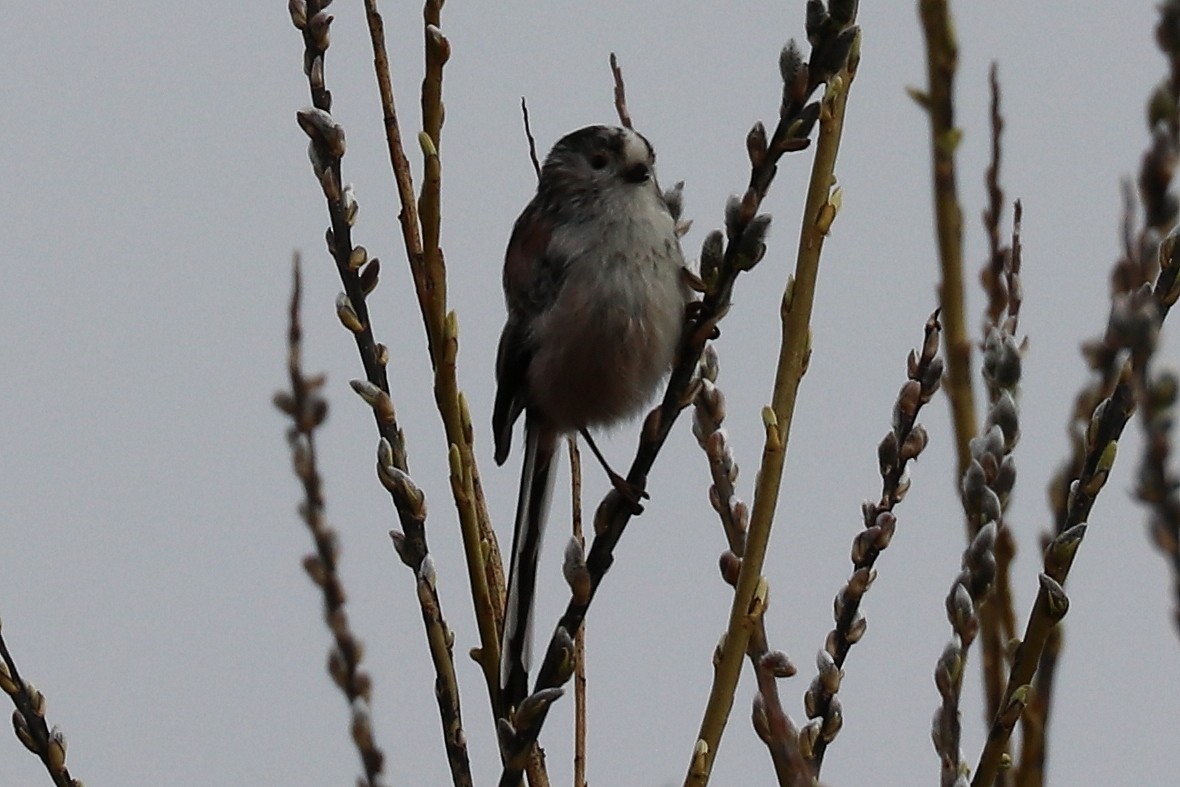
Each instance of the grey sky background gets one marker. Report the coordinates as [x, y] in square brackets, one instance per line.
[155, 186]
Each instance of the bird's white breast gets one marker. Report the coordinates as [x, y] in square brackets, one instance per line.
[612, 332]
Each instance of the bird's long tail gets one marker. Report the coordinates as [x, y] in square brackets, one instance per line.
[532, 506]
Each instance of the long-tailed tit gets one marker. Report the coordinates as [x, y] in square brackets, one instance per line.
[595, 289]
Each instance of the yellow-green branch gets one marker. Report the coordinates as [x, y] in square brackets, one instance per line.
[795, 351]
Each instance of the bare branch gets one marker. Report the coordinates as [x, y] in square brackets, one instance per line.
[528, 132]
[620, 92]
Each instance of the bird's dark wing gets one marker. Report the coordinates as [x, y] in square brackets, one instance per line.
[512, 365]
[532, 277]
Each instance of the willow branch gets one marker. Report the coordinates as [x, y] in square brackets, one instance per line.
[938, 100]
[580, 638]
[770, 720]
[420, 223]
[307, 411]
[359, 276]
[1131, 333]
[750, 597]
[904, 443]
[28, 721]
[1139, 264]
[967, 591]
[1001, 281]
[746, 231]
[1106, 426]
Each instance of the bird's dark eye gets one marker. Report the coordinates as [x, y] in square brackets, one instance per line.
[599, 161]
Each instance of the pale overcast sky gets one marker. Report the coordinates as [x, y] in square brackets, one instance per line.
[155, 185]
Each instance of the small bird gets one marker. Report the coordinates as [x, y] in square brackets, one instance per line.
[596, 290]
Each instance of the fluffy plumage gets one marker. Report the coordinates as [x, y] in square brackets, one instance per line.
[595, 292]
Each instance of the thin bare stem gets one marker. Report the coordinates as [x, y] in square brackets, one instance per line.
[580, 637]
[941, 63]
[1034, 723]
[528, 132]
[620, 92]
[992, 275]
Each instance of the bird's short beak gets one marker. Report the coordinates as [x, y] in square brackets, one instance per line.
[637, 173]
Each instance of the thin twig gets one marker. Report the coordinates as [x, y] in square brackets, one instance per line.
[938, 100]
[420, 224]
[442, 641]
[1051, 603]
[968, 590]
[1158, 486]
[620, 92]
[528, 132]
[1034, 723]
[1139, 264]
[359, 276]
[1001, 281]
[580, 637]
[1131, 334]
[902, 444]
[28, 721]
[985, 489]
[834, 59]
[769, 719]
[708, 417]
[307, 411]
[992, 275]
